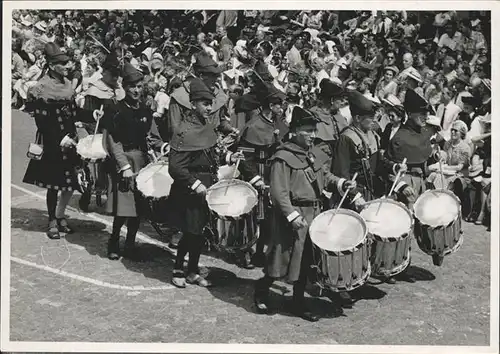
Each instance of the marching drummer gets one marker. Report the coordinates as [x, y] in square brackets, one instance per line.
[180, 109]
[358, 149]
[261, 134]
[413, 142]
[298, 175]
[129, 133]
[193, 164]
[105, 93]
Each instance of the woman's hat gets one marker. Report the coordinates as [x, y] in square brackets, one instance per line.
[41, 25]
[434, 120]
[392, 100]
[393, 69]
[54, 55]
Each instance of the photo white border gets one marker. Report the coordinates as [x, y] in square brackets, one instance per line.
[7, 345]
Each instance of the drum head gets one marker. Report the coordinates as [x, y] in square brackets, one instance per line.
[387, 218]
[345, 231]
[437, 208]
[232, 198]
[91, 148]
[227, 172]
[154, 180]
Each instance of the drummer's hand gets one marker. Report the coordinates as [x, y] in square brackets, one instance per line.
[128, 180]
[349, 185]
[237, 156]
[79, 124]
[400, 167]
[259, 184]
[359, 203]
[299, 223]
[67, 142]
[201, 190]
[156, 115]
[409, 192]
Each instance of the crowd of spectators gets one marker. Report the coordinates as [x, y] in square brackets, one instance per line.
[444, 56]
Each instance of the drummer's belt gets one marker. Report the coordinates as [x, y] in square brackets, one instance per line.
[307, 203]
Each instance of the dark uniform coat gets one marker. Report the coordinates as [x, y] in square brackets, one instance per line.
[297, 180]
[413, 143]
[194, 158]
[358, 152]
[129, 133]
[180, 107]
[53, 106]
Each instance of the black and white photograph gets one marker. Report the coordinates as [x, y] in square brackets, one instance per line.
[231, 179]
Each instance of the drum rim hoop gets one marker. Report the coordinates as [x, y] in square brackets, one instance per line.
[445, 191]
[232, 181]
[354, 248]
[404, 207]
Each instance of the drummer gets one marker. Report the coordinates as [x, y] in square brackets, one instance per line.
[358, 149]
[261, 134]
[297, 178]
[105, 92]
[128, 134]
[193, 164]
[413, 142]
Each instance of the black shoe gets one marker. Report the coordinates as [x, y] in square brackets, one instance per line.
[246, 262]
[114, 249]
[261, 301]
[62, 226]
[391, 280]
[437, 260]
[299, 309]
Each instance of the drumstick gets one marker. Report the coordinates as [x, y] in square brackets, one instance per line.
[96, 127]
[343, 198]
[398, 176]
[234, 173]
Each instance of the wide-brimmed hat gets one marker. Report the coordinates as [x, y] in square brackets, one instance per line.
[41, 25]
[392, 68]
[434, 120]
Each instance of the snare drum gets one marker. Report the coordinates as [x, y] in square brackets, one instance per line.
[154, 183]
[233, 201]
[390, 225]
[340, 250]
[91, 151]
[438, 222]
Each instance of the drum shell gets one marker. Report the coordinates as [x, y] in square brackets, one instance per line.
[343, 272]
[390, 255]
[237, 235]
[440, 240]
[390, 258]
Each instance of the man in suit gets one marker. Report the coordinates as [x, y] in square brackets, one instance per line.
[447, 111]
